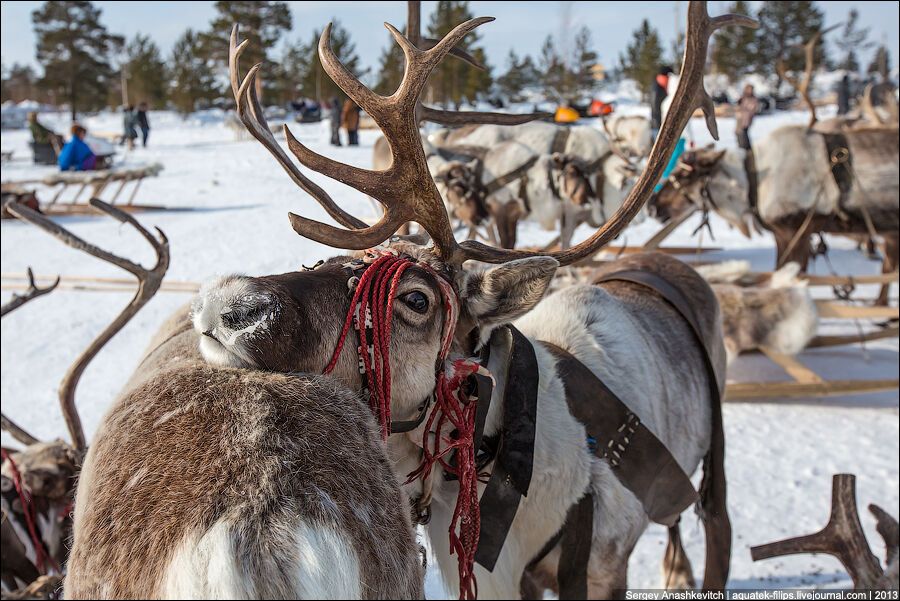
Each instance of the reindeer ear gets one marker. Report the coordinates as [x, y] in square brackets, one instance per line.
[504, 293]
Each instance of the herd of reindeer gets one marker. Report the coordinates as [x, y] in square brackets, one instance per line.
[242, 460]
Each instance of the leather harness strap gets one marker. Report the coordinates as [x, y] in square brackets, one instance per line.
[513, 462]
[636, 456]
[841, 161]
[560, 139]
[713, 491]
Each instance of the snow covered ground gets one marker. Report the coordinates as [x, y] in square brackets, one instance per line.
[781, 455]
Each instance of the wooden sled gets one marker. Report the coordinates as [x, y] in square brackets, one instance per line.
[96, 183]
[805, 382]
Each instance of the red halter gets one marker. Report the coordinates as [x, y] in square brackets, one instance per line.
[371, 311]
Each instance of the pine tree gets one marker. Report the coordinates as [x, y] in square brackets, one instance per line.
[734, 48]
[146, 71]
[288, 76]
[643, 57]
[783, 27]
[315, 82]
[261, 22]
[192, 73]
[582, 65]
[74, 48]
[881, 63]
[851, 41]
[553, 70]
[390, 72]
[454, 80]
[19, 83]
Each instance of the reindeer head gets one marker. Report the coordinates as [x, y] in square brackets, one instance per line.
[706, 179]
[574, 178]
[461, 186]
[293, 321]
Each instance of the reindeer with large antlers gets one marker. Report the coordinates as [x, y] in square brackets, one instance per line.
[838, 176]
[37, 505]
[400, 323]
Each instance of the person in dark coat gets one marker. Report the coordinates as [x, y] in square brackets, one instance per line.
[843, 95]
[334, 113]
[129, 126]
[658, 93]
[143, 122]
[76, 155]
[747, 108]
[350, 122]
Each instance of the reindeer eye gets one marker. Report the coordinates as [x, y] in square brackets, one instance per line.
[416, 301]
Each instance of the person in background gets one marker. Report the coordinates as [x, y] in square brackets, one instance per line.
[843, 95]
[334, 113]
[747, 107]
[350, 122]
[143, 123]
[76, 155]
[41, 134]
[129, 126]
[658, 93]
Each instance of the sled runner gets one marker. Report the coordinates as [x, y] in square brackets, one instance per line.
[96, 183]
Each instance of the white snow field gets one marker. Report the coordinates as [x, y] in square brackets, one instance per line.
[780, 455]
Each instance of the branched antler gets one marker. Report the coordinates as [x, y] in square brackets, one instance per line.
[842, 537]
[406, 188]
[32, 293]
[802, 86]
[16, 431]
[149, 281]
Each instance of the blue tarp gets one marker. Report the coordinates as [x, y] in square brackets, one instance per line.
[673, 161]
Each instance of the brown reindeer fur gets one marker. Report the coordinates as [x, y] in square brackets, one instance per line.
[193, 447]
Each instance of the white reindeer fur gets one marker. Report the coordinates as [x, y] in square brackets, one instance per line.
[324, 567]
[678, 413]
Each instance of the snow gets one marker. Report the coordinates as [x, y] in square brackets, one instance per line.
[780, 454]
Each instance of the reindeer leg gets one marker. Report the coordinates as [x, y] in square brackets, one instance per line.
[677, 571]
[792, 246]
[891, 250]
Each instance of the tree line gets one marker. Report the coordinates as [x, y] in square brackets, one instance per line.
[88, 68]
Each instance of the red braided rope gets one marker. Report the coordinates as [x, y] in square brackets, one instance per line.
[374, 298]
[28, 510]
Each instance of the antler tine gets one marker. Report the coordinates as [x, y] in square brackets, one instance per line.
[889, 529]
[689, 95]
[32, 293]
[251, 115]
[454, 118]
[842, 537]
[17, 431]
[149, 281]
[867, 108]
[809, 50]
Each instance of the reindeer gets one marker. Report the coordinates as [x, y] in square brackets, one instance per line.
[420, 311]
[39, 480]
[838, 176]
[264, 481]
[552, 174]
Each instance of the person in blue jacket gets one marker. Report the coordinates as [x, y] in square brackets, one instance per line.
[76, 155]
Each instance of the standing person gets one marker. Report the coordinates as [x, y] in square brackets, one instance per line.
[143, 122]
[129, 126]
[843, 95]
[747, 107]
[76, 155]
[658, 93]
[350, 122]
[334, 113]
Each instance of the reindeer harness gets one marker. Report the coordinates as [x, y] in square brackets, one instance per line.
[614, 433]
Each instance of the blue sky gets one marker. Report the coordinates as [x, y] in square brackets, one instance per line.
[520, 25]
